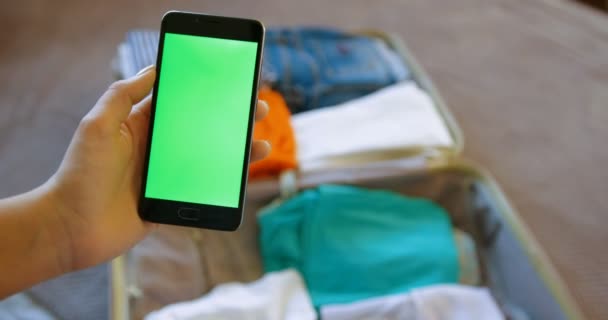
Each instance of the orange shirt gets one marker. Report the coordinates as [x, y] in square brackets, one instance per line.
[276, 128]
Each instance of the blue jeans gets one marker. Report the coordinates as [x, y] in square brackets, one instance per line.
[318, 67]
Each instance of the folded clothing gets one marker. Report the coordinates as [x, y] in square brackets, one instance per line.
[21, 306]
[276, 296]
[316, 67]
[439, 302]
[138, 51]
[351, 243]
[395, 118]
[275, 128]
[81, 294]
[282, 295]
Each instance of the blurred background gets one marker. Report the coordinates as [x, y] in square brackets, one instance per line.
[527, 80]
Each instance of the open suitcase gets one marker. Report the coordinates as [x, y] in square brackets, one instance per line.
[514, 267]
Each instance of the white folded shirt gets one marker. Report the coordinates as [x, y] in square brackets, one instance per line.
[438, 302]
[277, 295]
[397, 117]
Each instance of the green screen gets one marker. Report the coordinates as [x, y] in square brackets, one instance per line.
[201, 118]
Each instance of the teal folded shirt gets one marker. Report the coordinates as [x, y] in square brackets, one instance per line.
[351, 243]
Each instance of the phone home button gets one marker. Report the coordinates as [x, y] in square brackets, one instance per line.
[189, 214]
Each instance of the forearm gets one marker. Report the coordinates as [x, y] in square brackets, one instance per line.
[33, 241]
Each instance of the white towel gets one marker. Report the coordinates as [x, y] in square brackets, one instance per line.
[394, 118]
[276, 296]
[440, 302]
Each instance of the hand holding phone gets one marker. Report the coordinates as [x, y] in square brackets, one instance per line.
[203, 105]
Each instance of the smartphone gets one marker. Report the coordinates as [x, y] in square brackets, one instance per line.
[203, 106]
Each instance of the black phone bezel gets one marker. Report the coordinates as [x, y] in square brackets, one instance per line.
[202, 215]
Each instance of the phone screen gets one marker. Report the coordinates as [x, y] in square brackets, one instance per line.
[201, 119]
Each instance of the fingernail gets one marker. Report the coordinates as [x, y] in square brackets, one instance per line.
[146, 69]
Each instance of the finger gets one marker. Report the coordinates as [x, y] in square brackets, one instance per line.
[138, 122]
[116, 103]
[139, 119]
[143, 107]
[262, 110]
[260, 150]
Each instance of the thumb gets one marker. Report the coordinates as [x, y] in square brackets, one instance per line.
[116, 103]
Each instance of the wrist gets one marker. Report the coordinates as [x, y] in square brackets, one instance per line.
[56, 225]
[34, 244]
